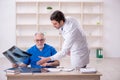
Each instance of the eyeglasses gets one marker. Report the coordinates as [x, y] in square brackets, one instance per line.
[37, 40]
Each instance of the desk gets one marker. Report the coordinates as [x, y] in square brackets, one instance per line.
[53, 76]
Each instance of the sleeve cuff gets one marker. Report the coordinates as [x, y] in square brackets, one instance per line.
[51, 58]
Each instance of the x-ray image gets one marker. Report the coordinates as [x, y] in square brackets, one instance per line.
[16, 55]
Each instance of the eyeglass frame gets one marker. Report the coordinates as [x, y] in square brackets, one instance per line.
[40, 40]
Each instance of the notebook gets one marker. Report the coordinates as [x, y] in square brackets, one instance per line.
[16, 55]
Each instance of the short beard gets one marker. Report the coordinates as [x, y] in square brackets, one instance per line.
[40, 47]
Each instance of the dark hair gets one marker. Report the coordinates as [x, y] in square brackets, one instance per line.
[58, 16]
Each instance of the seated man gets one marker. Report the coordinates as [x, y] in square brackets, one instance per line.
[40, 49]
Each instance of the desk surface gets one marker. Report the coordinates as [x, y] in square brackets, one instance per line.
[54, 76]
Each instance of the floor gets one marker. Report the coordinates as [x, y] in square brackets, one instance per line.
[109, 67]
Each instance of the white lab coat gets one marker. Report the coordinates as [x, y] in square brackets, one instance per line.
[74, 43]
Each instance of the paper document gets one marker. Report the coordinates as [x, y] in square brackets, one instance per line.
[60, 69]
[88, 70]
[54, 69]
[67, 69]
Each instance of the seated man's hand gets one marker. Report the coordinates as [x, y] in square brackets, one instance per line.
[22, 65]
[14, 65]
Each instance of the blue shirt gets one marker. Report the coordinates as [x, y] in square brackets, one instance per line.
[45, 52]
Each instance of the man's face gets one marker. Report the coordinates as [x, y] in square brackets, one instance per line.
[39, 40]
[56, 24]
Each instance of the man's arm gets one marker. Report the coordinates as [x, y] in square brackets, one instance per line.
[54, 63]
[71, 36]
[43, 61]
[20, 65]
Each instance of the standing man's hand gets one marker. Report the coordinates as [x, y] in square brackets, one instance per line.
[43, 60]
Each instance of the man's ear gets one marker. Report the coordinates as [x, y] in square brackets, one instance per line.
[45, 39]
[61, 23]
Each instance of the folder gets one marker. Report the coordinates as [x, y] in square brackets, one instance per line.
[23, 70]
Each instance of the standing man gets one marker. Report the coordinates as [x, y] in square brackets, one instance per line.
[74, 44]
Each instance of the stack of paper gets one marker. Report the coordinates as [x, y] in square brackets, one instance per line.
[11, 70]
[54, 69]
[67, 69]
[60, 69]
[88, 70]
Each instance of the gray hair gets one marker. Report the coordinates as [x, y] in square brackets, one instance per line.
[39, 33]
